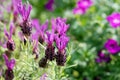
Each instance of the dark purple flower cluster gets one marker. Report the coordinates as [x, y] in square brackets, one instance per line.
[112, 47]
[9, 75]
[26, 26]
[57, 36]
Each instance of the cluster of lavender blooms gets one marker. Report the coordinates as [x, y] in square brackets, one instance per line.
[56, 36]
[82, 6]
[56, 40]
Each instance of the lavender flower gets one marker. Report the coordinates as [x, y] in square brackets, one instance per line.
[59, 26]
[26, 25]
[14, 8]
[10, 65]
[40, 30]
[61, 43]
[114, 19]
[50, 50]
[49, 5]
[112, 46]
[82, 6]
[103, 57]
[10, 43]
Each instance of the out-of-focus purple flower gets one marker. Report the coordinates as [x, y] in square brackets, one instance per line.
[114, 19]
[79, 11]
[24, 11]
[50, 5]
[59, 25]
[112, 46]
[26, 26]
[9, 35]
[43, 77]
[102, 57]
[40, 30]
[9, 63]
[82, 6]
[10, 43]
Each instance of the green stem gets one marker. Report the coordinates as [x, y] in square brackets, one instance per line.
[118, 34]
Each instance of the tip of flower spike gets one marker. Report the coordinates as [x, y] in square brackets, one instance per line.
[10, 64]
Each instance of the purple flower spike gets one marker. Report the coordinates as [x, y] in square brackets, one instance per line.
[61, 42]
[40, 30]
[59, 25]
[114, 19]
[9, 35]
[112, 46]
[50, 38]
[24, 11]
[50, 50]
[43, 77]
[49, 5]
[82, 6]
[10, 64]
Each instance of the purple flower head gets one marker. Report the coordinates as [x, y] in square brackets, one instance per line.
[50, 38]
[61, 42]
[24, 10]
[82, 6]
[102, 57]
[9, 63]
[112, 46]
[49, 5]
[14, 6]
[79, 11]
[10, 43]
[114, 19]
[9, 35]
[40, 30]
[43, 77]
[59, 25]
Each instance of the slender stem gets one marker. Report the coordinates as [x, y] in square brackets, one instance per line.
[118, 34]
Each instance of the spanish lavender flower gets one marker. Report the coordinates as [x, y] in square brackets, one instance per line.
[26, 25]
[114, 19]
[50, 50]
[49, 5]
[112, 46]
[43, 77]
[9, 75]
[61, 43]
[40, 30]
[103, 57]
[59, 26]
[14, 8]
[82, 6]
[10, 43]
